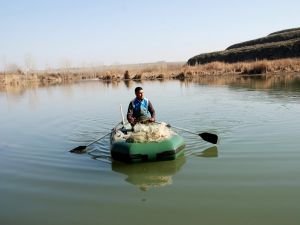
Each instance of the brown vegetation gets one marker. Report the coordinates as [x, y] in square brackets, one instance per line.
[257, 67]
[154, 71]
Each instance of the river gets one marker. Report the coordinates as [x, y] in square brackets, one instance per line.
[251, 177]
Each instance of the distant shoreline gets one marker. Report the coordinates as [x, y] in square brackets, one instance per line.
[153, 71]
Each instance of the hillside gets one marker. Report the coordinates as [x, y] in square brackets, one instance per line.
[277, 45]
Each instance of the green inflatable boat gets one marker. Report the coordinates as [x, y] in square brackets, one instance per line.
[147, 142]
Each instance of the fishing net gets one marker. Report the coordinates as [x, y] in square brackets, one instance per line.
[150, 133]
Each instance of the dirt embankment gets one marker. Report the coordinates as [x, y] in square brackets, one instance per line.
[278, 45]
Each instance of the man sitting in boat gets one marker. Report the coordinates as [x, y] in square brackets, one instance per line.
[140, 109]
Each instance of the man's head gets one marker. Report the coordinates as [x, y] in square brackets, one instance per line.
[139, 93]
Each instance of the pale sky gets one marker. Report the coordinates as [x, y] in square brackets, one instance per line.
[54, 33]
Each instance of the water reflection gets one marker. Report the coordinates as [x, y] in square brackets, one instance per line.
[283, 82]
[286, 82]
[149, 175]
[209, 152]
[267, 82]
[128, 83]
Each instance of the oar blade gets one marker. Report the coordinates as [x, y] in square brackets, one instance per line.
[212, 138]
[79, 149]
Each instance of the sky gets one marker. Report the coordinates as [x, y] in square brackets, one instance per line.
[42, 34]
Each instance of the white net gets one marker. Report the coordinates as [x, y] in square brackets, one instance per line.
[150, 133]
[146, 133]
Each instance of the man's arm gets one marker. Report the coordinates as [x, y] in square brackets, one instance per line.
[130, 117]
[152, 111]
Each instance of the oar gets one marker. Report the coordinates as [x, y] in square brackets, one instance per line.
[209, 137]
[81, 149]
[121, 110]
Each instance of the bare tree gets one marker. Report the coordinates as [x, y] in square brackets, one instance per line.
[29, 63]
[4, 63]
[14, 69]
[66, 64]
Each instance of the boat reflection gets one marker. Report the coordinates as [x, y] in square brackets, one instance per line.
[209, 152]
[149, 175]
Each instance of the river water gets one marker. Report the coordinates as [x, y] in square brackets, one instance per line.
[251, 177]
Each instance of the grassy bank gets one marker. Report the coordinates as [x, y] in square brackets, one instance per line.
[151, 71]
[250, 68]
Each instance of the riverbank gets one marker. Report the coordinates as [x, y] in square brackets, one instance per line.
[281, 44]
[150, 71]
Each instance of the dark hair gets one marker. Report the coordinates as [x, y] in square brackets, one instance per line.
[137, 89]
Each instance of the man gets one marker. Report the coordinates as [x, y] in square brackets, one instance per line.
[140, 109]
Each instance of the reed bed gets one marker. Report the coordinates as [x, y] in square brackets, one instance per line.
[150, 71]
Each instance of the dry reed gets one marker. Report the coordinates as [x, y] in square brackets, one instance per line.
[151, 71]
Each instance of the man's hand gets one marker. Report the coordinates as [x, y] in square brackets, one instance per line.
[132, 121]
[151, 120]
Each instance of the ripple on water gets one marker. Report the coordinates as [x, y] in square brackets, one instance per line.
[253, 169]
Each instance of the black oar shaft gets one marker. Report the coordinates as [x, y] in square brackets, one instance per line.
[188, 131]
[212, 138]
[81, 149]
[98, 139]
